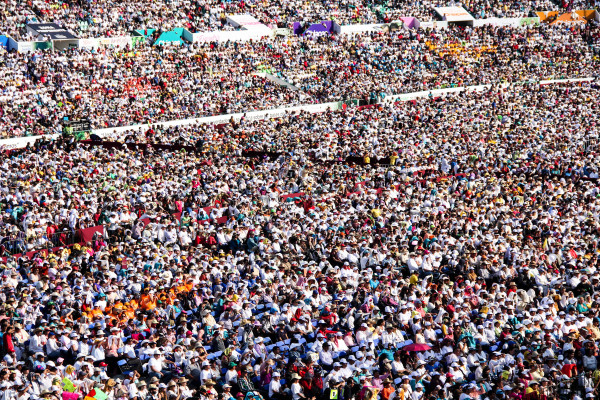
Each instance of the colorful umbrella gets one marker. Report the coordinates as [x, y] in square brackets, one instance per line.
[417, 347]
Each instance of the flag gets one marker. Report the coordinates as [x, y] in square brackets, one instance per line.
[68, 385]
[69, 396]
[96, 394]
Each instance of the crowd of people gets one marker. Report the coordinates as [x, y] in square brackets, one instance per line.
[508, 9]
[150, 84]
[107, 18]
[443, 248]
[389, 64]
[97, 19]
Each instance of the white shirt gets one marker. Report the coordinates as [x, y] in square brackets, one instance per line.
[296, 390]
[155, 364]
[274, 387]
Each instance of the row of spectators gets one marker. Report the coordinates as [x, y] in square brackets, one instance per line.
[107, 18]
[151, 84]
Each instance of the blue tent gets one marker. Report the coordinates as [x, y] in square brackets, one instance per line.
[170, 37]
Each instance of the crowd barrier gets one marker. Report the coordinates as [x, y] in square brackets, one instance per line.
[225, 118]
[16, 143]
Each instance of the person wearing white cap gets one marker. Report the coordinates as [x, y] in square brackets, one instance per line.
[275, 386]
[418, 392]
[317, 345]
[156, 364]
[205, 372]
[345, 370]
[335, 373]
[350, 367]
[364, 333]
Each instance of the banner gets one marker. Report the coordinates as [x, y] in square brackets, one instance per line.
[20, 142]
[87, 234]
[233, 36]
[410, 22]
[145, 32]
[434, 24]
[89, 43]
[245, 21]
[282, 31]
[170, 37]
[118, 42]
[453, 14]
[358, 28]
[324, 27]
[26, 47]
[135, 40]
[507, 21]
[77, 127]
[529, 21]
[50, 31]
[66, 44]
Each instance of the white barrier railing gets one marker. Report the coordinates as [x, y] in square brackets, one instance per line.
[15, 143]
[221, 119]
[475, 88]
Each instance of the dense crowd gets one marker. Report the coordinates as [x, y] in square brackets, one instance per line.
[107, 18]
[443, 248]
[508, 9]
[455, 259]
[150, 84]
[414, 60]
[123, 88]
